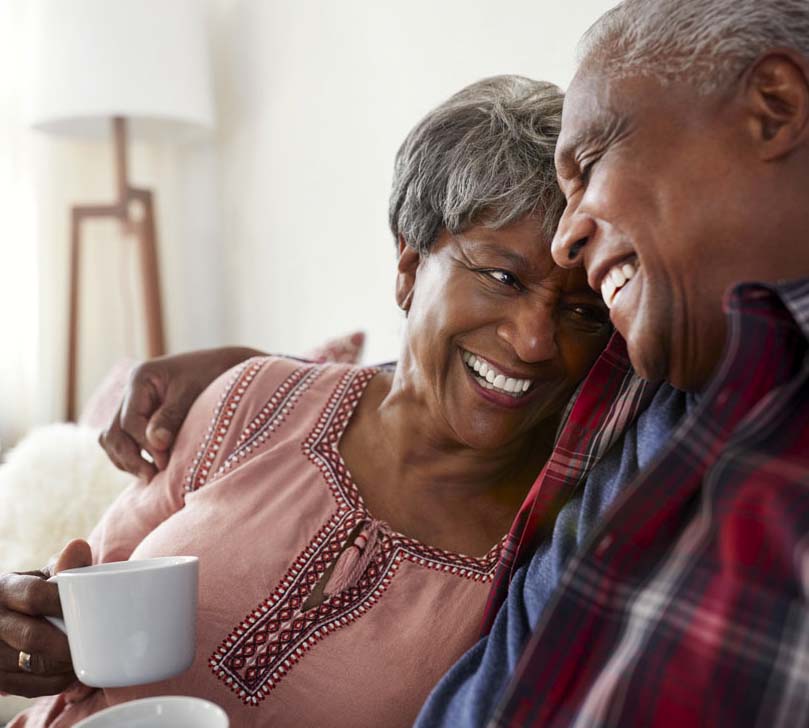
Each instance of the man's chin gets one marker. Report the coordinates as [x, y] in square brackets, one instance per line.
[649, 360]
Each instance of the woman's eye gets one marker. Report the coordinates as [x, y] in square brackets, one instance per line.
[593, 317]
[504, 277]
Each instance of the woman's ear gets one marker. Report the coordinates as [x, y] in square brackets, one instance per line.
[406, 274]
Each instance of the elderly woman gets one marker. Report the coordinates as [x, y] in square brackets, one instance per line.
[348, 520]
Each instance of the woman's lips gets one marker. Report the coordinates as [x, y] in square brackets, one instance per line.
[497, 395]
[491, 377]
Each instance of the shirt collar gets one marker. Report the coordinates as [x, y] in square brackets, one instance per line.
[792, 294]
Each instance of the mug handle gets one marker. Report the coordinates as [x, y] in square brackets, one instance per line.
[56, 621]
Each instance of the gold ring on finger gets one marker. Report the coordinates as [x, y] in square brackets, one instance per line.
[24, 661]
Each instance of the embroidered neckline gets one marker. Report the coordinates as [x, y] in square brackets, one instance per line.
[322, 447]
[270, 640]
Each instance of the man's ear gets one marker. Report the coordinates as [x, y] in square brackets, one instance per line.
[778, 94]
[406, 274]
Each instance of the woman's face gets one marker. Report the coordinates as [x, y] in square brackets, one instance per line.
[497, 335]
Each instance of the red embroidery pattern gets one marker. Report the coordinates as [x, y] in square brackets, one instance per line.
[241, 379]
[270, 417]
[321, 447]
[268, 420]
[267, 644]
[273, 638]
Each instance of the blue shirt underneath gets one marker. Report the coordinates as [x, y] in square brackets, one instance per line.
[467, 695]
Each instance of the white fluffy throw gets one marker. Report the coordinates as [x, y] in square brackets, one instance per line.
[54, 486]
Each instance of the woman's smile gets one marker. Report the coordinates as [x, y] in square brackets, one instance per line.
[494, 384]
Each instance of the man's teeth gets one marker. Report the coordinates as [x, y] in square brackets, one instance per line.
[490, 378]
[616, 279]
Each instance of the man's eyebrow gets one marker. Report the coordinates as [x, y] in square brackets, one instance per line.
[600, 130]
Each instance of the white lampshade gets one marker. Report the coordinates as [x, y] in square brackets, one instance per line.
[146, 60]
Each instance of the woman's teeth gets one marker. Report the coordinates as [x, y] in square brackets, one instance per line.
[616, 279]
[488, 377]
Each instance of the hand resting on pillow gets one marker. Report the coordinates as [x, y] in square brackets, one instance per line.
[161, 391]
[157, 399]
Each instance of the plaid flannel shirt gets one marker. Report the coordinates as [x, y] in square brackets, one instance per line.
[607, 402]
[689, 604]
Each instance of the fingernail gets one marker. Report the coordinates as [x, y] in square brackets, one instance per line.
[162, 435]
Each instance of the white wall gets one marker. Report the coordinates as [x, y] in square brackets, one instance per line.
[315, 97]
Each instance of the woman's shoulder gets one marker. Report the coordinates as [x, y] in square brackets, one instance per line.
[273, 382]
[257, 396]
[268, 380]
[261, 376]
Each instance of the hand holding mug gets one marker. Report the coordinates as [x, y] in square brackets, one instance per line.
[34, 655]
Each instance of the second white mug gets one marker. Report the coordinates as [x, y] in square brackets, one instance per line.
[167, 711]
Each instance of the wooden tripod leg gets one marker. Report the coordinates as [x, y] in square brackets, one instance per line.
[73, 314]
[143, 226]
[146, 231]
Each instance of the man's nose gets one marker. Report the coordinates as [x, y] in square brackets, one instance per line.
[572, 235]
[530, 330]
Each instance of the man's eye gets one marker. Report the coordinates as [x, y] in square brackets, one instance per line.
[504, 277]
[586, 166]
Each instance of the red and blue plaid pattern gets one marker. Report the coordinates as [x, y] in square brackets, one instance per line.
[689, 605]
[608, 401]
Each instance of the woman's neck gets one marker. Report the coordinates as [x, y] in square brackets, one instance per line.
[427, 485]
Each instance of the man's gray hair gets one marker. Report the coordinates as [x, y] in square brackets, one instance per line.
[707, 43]
[485, 156]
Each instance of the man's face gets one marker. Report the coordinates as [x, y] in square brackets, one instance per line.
[661, 204]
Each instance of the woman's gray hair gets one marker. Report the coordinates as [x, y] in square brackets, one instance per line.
[708, 43]
[485, 156]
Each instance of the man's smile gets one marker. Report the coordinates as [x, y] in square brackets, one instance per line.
[616, 278]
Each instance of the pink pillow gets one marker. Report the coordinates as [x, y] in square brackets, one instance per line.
[346, 349]
[103, 402]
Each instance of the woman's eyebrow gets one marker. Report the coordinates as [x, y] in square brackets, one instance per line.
[514, 259]
[583, 291]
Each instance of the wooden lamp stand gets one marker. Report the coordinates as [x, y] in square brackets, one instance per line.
[135, 209]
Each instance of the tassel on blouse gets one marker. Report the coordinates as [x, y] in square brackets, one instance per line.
[353, 562]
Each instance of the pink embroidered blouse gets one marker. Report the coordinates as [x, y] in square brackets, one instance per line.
[256, 487]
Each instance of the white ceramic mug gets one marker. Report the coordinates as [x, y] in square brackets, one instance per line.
[130, 622]
[170, 710]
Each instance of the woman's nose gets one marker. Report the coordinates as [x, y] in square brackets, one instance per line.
[531, 332]
[572, 235]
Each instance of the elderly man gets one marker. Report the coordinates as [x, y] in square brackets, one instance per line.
[684, 159]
